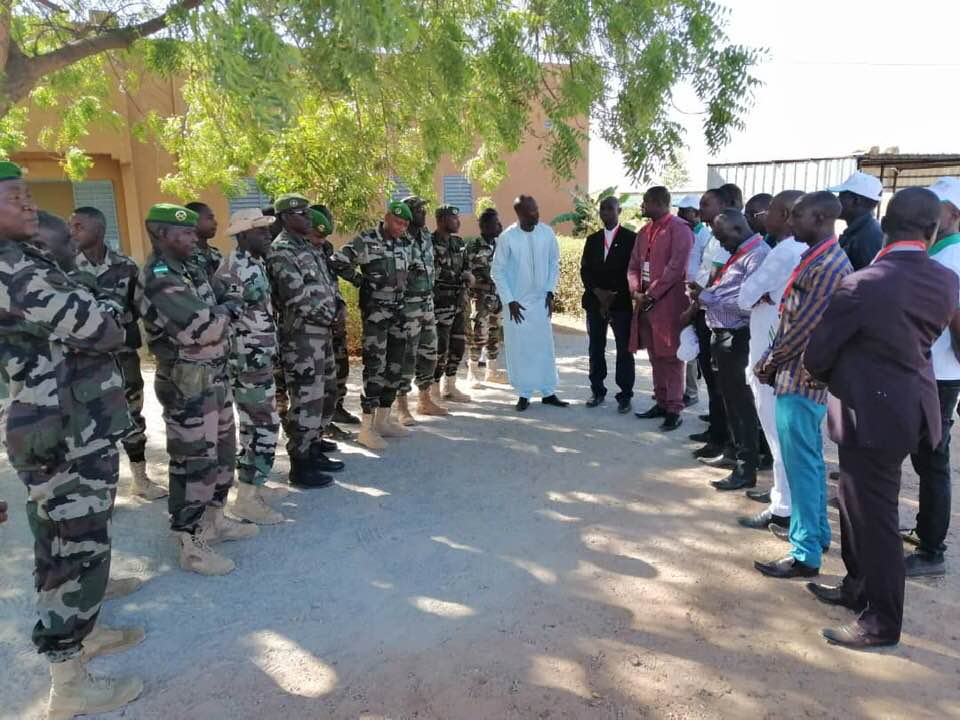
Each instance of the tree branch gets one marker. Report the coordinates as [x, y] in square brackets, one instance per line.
[5, 39]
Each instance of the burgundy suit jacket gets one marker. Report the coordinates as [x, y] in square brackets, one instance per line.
[872, 348]
[659, 331]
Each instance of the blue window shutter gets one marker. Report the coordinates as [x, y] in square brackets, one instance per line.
[99, 194]
[400, 190]
[251, 198]
[458, 191]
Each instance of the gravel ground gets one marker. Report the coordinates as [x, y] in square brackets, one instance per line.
[557, 564]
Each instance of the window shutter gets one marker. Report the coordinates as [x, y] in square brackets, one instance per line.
[99, 194]
[458, 191]
[400, 190]
[251, 198]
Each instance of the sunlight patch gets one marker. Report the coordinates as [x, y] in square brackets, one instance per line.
[295, 670]
[365, 490]
[443, 608]
[455, 545]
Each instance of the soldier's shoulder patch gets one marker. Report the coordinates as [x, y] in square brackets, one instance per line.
[160, 269]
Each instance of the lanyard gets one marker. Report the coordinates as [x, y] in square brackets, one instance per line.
[655, 230]
[804, 264]
[944, 243]
[918, 244]
[741, 251]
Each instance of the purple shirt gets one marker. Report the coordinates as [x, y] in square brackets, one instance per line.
[721, 299]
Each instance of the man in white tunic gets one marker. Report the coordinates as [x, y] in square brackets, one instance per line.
[525, 269]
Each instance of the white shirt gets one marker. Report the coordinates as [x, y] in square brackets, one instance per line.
[945, 365]
[608, 236]
[701, 236]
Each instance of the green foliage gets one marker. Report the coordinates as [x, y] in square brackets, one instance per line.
[354, 324]
[569, 287]
[585, 216]
[335, 97]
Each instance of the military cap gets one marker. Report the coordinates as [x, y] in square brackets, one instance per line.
[172, 215]
[414, 201]
[320, 220]
[445, 210]
[10, 171]
[401, 210]
[289, 201]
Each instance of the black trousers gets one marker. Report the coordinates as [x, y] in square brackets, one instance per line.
[719, 434]
[932, 464]
[870, 538]
[597, 324]
[731, 351]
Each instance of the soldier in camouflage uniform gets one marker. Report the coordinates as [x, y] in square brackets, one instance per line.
[305, 297]
[65, 415]
[449, 296]
[253, 352]
[187, 327]
[420, 357]
[115, 276]
[205, 256]
[376, 261]
[485, 322]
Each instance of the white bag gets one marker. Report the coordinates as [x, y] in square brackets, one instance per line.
[689, 345]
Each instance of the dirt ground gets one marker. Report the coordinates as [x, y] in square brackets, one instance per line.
[558, 564]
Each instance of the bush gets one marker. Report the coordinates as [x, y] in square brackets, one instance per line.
[569, 286]
[354, 325]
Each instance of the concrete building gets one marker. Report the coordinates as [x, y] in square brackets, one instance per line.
[123, 182]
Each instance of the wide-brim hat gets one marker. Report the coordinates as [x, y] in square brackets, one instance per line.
[248, 219]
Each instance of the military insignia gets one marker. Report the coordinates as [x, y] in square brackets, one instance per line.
[180, 215]
[160, 269]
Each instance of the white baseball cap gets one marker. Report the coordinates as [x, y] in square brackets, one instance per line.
[948, 190]
[689, 201]
[861, 184]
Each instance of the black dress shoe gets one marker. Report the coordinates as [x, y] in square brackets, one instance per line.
[735, 481]
[764, 463]
[723, 462]
[341, 415]
[760, 496]
[595, 400]
[834, 475]
[555, 401]
[708, 451]
[852, 636]
[688, 401]
[322, 463]
[702, 437]
[328, 446]
[522, 404]
[762, 520]
[786, 568]
[624, 405]
[832, 595]
[671, 422]
[655, 412]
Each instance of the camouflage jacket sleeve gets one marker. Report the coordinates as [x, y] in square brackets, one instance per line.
[168, 301]
[346, 260]
[43, 296]
[305, 289]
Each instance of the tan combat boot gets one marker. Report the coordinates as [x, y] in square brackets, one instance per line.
[426, 405]
[368, 435]
[250, 505]
[495, 373]
[387, 426]
[196, 555]
[73, 692]
[450, 391]
[225, 528]
[104, 640]
[121, 587]
[403, 411]
[142, 486]
[474, 379]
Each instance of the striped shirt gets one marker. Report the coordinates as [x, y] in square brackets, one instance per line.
[802, 310]
[721, 300]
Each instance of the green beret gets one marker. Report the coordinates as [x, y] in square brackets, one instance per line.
[445, 210]
[401, 210]
[172, 215]
[320, 208]
[414, 201]
[289, 201]
[320, 220]
[10, 170]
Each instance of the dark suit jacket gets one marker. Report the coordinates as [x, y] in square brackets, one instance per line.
[872, 348]
[609, 274]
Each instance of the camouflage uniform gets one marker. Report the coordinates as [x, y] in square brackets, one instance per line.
[449, 296]
[116, 278]
[305, 294]
[381, 277]
[253, 353]
[485, 322]
[187, 331]
[340, 355]
[208, 259]
[420, 356]
[65, 415]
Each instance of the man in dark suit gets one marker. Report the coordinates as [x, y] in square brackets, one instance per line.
[606, 298]
[872, 348]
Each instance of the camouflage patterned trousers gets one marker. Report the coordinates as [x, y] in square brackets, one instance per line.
[420, 354]
[309, 372]
[451, 337]
[255, 395]
[340, 355]
[69, 508]
[484, 327]
[384, 343]
[201, 438]
[136, 442]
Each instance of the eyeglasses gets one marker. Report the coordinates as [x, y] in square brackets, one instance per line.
[301, 211]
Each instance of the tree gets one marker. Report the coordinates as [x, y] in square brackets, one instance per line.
[336, 97]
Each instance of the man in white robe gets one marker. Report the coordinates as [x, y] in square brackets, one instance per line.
[525, 269]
